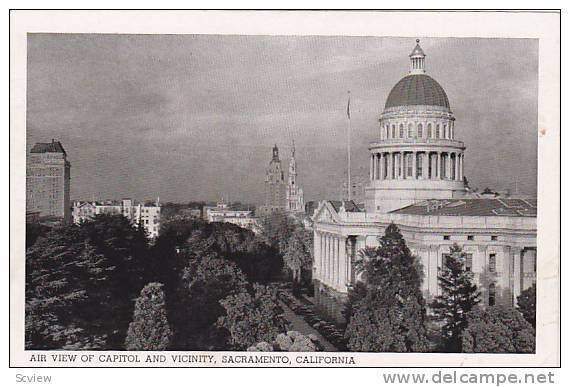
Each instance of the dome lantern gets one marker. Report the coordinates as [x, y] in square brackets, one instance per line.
[417, 60]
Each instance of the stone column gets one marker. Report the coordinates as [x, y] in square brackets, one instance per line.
[414, 165]
[425, 167]
[438, 166]
[517, 269]
[390, 174]
[371, 166]
[337, 261]
[330, 259]
[316, 253]
[461, 167]
[377, 169]
[382, 163]
[323, 257]
[457, 166]
[342, 264]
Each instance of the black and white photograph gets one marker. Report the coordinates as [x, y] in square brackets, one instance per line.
[222, 199]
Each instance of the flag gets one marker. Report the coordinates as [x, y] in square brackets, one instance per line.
[348, 106]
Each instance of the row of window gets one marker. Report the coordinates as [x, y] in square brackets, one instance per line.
[470, 237]
[431, 131]
[468, 262]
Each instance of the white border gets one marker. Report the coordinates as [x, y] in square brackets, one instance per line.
[543, 26]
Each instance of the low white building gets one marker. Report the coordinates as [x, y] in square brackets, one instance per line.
[147, 214]
[223, 213]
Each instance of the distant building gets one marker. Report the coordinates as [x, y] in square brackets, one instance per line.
[223, 213]
[148, 214]
[48, 181]
[295, 202]
[275, 186]
[357, 191]
[281, 195]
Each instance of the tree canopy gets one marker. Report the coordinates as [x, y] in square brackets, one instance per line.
[497, 329]
[526, 304]
[252, 317]
[387, 312]
[458, 297]
[149, 330]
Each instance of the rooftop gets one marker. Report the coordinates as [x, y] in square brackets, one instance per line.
[48, 147]
[349, 205]
[472, 207]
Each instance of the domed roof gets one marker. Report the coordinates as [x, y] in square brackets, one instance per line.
[417, 89]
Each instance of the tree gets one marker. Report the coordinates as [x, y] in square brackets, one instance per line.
[277, 227]
[81, 281]
[526, 304]
[298, 254]
[250, 319]
[458, 297]
[66, 293]
[292, 341]
[149, 330]
[388, 312]
[196, 302]
[497, 329]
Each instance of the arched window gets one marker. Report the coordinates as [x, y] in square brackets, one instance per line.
[429, 131]
[401, 130]
[445, 132]
[420, 130]
[437, 131]
[492, 294]
[393, 131]
[410, 130]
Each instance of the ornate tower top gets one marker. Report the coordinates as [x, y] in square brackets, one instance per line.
[275, 153]
[417, 60]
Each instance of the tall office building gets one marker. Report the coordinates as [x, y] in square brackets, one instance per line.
[48, 181]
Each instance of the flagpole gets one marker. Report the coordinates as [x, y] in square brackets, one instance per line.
[348, 134]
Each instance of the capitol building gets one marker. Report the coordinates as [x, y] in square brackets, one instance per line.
[416, 181]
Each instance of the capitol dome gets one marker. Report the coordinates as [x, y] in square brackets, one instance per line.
[417, 89]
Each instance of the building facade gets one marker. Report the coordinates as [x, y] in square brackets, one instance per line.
[223, 213]
[281, 195]
[416, 182]
[295, 199]
[147, 214]
[48, 180]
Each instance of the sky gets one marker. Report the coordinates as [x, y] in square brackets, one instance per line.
[195, 117]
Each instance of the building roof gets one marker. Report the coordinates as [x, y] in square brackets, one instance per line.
[417, 89]
[48, 147]
[349, 205]
[417, 51]
[472, 207]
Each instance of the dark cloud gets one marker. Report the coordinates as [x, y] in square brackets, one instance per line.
[194, 116]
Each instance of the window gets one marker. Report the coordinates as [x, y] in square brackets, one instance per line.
[420, 131]
[492, 262]
[410, 130]
[410, 163]
[429, 131]
[470, 237]
[446, 237]
[445, 132]
[437, 131]
[494, 237]
[401, 130]
[492, 293]
[393, 131]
